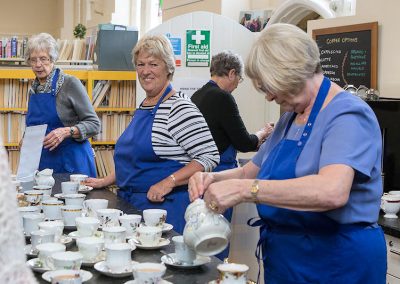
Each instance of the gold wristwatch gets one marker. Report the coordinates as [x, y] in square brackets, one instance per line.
[254, 190]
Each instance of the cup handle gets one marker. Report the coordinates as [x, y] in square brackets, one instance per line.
[49, 262]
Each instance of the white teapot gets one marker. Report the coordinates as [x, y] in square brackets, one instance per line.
[206, 232]
[44, 177]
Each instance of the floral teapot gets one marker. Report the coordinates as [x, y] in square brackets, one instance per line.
[206, 232]
[44, 177]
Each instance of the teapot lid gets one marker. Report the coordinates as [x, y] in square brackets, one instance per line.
[46, 172]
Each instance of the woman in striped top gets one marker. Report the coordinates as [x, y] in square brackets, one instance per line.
[167, 141]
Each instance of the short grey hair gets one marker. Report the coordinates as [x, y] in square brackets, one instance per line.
[282, 59]
[158, 46]
[223, 62]
[41, 42]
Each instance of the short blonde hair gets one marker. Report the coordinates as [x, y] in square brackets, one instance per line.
[158, 46]
[282, 59]
[41, 42]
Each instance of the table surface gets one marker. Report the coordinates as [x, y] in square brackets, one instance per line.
[198, 275]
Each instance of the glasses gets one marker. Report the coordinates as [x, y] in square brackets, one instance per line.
[42, 60]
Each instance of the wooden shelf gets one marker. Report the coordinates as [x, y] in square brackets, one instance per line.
[114, 109]
[112, 75]
[13, 109]
[102, 143]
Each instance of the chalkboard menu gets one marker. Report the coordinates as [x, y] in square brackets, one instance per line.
[349, 54]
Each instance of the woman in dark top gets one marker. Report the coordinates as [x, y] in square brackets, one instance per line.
[219, 108]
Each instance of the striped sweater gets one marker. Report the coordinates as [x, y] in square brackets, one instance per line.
[181, 133]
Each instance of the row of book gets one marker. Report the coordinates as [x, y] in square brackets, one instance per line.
[114, 94]
[14, 93]
[112, 126]
[12, 47]
[75, 49]
[12, 126]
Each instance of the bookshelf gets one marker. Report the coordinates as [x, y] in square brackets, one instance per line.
[115, 109]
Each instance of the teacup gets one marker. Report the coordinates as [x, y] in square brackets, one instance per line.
[155, 217]
[130, 222]
[118, 257]
[205, 231]
[183, 252]
[87, 226]
[31, 222]
[147, 272]
[69, 187]
[109, 217]
[41, 237]
[90, 247]
[90, 206]
[52, 209]
[56, 227]
[28, 210]
[148, 235]
[79, 179]
[390, 204]
[65, 260]
[46, 250]
[74, 199]
[45, 189]
[232, 273]
[34, 197]
[115, 234]
[69, 213]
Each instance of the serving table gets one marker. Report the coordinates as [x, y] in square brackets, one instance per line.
[198, 275]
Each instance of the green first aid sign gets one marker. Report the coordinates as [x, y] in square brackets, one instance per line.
[197, 48]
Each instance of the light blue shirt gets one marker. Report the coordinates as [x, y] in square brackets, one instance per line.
[345, 132]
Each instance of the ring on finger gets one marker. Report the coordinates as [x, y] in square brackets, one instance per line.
[213, 206]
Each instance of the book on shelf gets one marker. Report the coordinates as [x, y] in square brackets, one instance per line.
[102, 93]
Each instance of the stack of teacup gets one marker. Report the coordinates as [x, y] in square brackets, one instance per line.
[232, 273]
[149, 233]
[390, 204]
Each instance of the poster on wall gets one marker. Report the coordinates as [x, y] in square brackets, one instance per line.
[255, 20]
[176, 43]
[197, 48]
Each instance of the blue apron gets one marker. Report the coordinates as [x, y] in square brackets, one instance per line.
[70, 156]
[309, 247]
[137, 168]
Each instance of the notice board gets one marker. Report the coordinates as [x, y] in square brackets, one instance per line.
[349, 53]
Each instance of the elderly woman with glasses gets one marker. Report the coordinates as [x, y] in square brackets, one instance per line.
[60, 101]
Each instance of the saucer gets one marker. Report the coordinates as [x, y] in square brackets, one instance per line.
[85, 189]
[167, 227]
[102, 268]
[200, 260]
[29, 252]
[75, 234]
[162, 243]
[36, 265]
[100, 257]
[162, 281]
[86, 275]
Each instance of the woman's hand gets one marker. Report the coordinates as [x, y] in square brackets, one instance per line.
[55, 137]
[95, 182]
[158, 191]
[264, 132]
[198, 184]
[224, 194]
